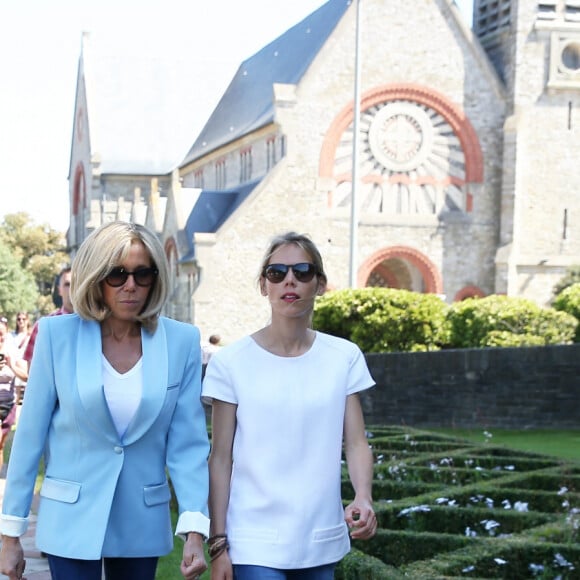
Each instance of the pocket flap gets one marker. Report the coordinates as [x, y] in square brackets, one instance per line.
[156, 494]
[60, 490]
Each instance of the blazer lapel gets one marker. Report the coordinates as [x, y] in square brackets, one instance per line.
[89, 379]
[155, 377]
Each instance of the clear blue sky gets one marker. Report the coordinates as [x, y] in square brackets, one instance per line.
[40, 43]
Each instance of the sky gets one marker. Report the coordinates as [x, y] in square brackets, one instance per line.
[40, 44]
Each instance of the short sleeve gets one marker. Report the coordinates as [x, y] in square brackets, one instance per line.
[359, 377]
[218, 383]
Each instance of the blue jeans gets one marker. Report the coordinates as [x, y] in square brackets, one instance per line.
[244, 572]
[115, 568]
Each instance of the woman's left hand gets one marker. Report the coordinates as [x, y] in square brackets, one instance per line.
[361, 519]
[193, 563]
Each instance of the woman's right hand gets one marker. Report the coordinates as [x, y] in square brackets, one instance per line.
[12, 562]
[221, 567]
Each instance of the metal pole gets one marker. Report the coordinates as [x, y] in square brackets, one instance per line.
[355, 156]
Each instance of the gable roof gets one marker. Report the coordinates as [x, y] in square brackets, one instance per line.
[211, 210]
[248, 103]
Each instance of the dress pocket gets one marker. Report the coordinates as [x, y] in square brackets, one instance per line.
[329, 534]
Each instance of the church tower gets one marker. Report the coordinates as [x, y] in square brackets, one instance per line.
[535, 47]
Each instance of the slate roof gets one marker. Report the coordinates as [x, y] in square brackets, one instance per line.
[211, 210]
[248, 103]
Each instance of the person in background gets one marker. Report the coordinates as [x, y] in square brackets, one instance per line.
[21, 332]
[114, 396]
[7, 394]
[66, 308]
[20, 337]
[275, 509]
[212, 346]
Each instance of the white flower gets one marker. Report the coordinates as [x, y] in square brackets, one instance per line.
[500, 561]
[536, 568]
[559, 560]
[521, 506]
[490, 526]
[415, 508]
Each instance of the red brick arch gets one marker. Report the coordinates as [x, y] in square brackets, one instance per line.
[469, 292]
[427, 269]
[452, 113]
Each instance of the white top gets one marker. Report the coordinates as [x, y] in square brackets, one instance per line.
[285, 507]
[123, 393]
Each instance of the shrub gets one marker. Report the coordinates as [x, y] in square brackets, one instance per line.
[507, 321]
[383, 319]
[572, 277]
[569, 301]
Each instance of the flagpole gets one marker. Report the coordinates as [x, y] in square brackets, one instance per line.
[355, 156]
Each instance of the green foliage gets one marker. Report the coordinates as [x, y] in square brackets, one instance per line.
[389, 320]
[572, 277]
[569, 301]
[507, 321]
[17, 287]
[357, 565]
[383, 319]
[37, 250]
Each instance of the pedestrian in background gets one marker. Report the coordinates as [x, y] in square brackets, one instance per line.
[275, 509]
[7, 390]
[114, 395]
[63, 288]
[20, 337]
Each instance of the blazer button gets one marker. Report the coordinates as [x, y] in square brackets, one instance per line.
[118, 449]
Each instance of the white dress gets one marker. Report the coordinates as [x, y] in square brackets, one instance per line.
[285, 507]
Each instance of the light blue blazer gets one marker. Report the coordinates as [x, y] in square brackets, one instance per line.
[102, 495]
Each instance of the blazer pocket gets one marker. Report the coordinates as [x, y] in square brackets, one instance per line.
[60, 490]
[173, 386]
[329, 534]
[156, 494]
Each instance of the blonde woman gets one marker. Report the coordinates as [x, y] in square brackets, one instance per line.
[114, 396]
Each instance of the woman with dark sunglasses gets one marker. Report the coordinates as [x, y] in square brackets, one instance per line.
[283, 400]
[113, 397]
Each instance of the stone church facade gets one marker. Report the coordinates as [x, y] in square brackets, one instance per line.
[467, 180]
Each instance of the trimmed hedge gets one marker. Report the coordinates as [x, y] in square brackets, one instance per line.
[383, 319]
[569, 301]
[477, 511]
[390, 320]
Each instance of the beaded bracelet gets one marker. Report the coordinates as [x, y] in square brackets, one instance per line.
[217, 545]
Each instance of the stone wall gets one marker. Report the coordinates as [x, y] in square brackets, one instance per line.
[511, 388]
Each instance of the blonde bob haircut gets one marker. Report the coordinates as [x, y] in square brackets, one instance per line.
[105, 249]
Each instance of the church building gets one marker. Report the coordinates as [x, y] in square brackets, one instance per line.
[466, 146]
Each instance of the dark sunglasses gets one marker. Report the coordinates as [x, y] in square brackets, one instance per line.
[143, 277]
[303, 272]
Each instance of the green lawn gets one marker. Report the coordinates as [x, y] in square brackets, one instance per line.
[564, 444]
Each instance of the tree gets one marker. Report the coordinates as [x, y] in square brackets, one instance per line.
[39, 250]
[18, 290]
[572, 277]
